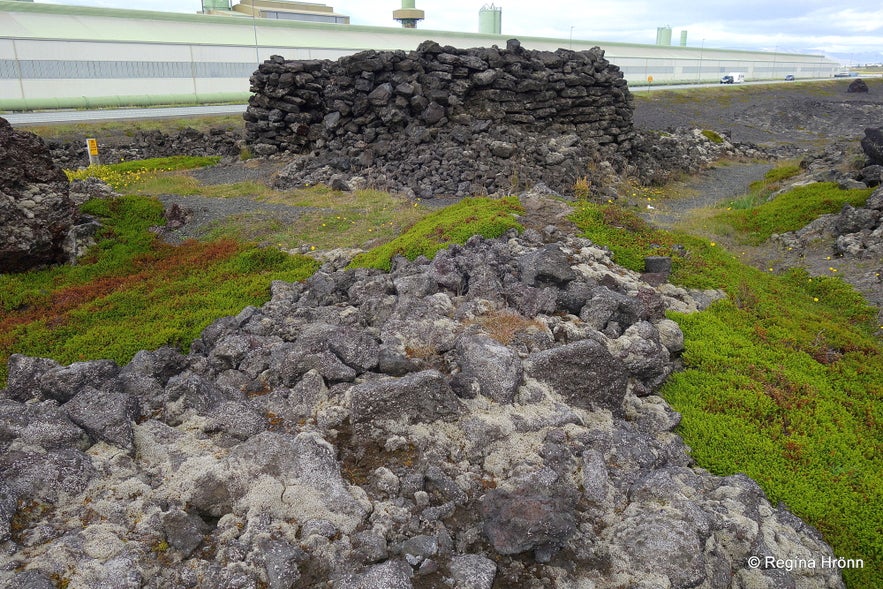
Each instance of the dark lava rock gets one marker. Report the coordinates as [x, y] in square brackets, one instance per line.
[36, 212]
[105, 415]
[857, 86]
[584, 373]
[526, 520]
[872, 145]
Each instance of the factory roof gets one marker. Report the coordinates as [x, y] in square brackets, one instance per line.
[24, 20]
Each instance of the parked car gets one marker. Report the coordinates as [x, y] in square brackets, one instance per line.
[733, 78]
[789, 78]
[842, 75]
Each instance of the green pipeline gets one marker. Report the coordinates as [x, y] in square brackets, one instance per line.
[90, 102]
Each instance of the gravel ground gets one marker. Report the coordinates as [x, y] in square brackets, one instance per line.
[707, 189]
[253, 170]
[795, 114]
[205, 213]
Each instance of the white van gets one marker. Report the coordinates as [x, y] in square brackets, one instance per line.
[733, 78]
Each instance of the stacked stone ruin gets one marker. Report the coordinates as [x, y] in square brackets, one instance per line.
[443, 120]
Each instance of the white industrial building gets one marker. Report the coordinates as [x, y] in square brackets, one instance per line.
[55, 56]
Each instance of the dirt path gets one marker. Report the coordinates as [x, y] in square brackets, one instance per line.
[708, 189]
[713, 187]
[205, 213]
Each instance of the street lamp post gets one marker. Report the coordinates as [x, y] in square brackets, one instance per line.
[699, 72]
[775, 53]
[254, 28]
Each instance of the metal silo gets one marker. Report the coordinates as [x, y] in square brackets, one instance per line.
[210, 5]
[490, 20]
[663, 35]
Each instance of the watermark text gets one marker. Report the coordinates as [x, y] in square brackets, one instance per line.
[790, 564]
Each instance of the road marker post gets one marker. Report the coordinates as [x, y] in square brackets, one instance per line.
[92, 149]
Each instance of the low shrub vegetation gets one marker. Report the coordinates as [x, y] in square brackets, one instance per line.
[782, 381]
[134, 292]
[779, 174]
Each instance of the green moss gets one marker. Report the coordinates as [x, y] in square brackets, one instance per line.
[782, 381]
[628, 237]
[791, 210]
[165, 164]
[454, 224]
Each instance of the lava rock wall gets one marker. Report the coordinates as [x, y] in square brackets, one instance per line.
[443, 120]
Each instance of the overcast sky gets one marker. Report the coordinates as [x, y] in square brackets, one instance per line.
[851, 31]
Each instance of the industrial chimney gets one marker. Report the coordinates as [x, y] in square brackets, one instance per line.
[408, 15]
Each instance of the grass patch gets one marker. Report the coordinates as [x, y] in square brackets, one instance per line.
[726, 95]
[124, 174]
[184, 185]
[133, 292]
[454, 224]
[791, 210]
[330, 218]
[782, 382]
[760, 191]
[712, 136]
[722, 96]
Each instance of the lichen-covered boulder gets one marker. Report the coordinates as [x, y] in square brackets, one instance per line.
[36, 212]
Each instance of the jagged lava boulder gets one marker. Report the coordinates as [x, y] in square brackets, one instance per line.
[36, 212]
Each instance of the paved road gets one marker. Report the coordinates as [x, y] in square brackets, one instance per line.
[70, 116]
[642, 87]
